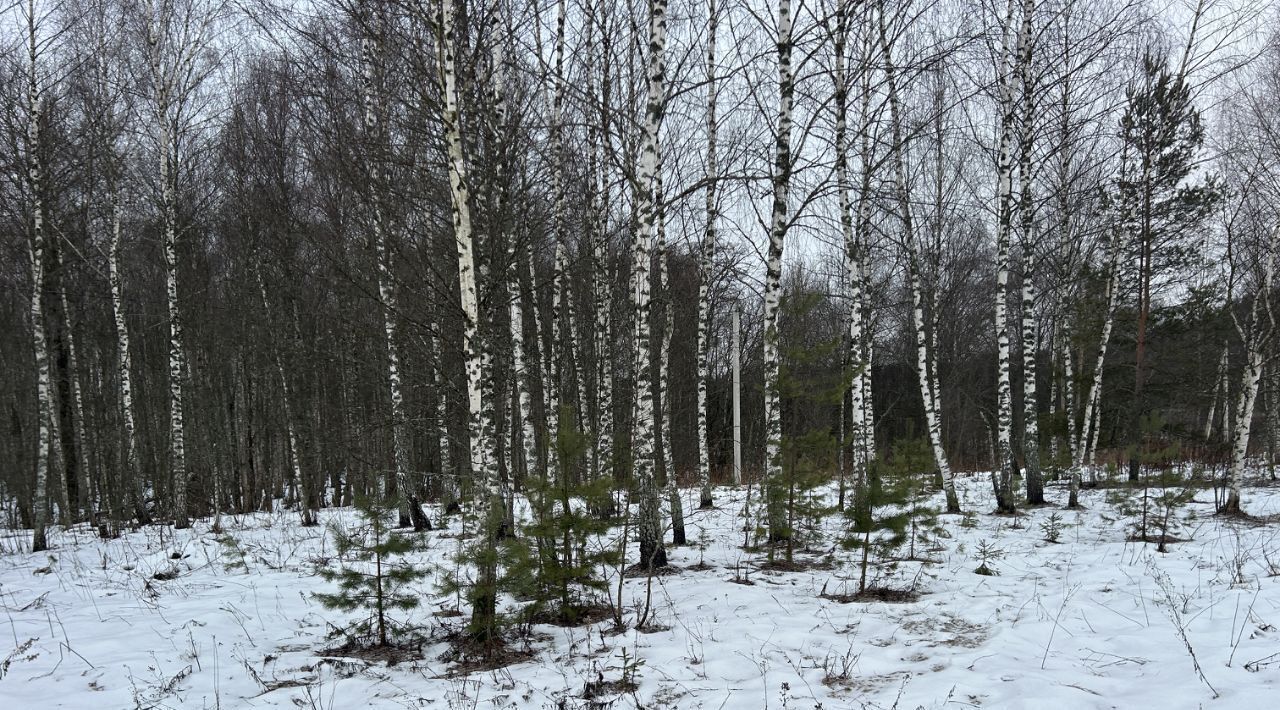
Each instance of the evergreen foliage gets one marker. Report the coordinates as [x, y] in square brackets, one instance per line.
[564, 574]
[889, 508]
[373, 575]
[812, 383]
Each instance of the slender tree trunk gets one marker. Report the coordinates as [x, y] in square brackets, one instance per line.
[1069, 406]
[774, 485]
[447, 487]
[82, 507]
[604, 425]
[177, 351]
[736, 355]
[131, 465]
[1257, 335]
[376, 136]
[1084, 447]
[1026, 210]
[1055, 397]
[1272, 393]
[649, 525]
[707, 263]
[927, 394]
[40, 341]
[664, 359]
[307, 498]
[1144, 314]
[520, 371]
[1030, 405]
[1002, 475]
[862, 239]
[854, 262]
[490, 509]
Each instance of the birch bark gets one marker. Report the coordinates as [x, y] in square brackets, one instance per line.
[649, 525]
[775, 486]
[929, 398]
[374, 124]
[706, 262]
[39, 337]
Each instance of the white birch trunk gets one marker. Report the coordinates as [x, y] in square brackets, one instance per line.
[853, 259]
[707, 263]
[1069, 397]
[1243, 426]
[376, 136]
[863, 239]
[177, 353]
[664, 358]
[488, 497]
[603, 426]
[774, 485]
[480, 448]
[40, 343]
[559, 286]
[164, 76]
[649, 527]
[131, 464]
[1002, 473]
[933, 422]
[83, 503]
[448, 485]
[1088, 441]
[1030, 404]
[1256, 336]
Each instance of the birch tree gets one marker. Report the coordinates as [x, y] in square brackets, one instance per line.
[649, 525]
[604, 425]
[775, 487]
[490, 509]
[376, 132]
[1256, 335]
[929, 393]
[1026, 211]
[1009, 72]
[854, 260]
[664, 357]
[1252, 232]
[36, 251]
[178, 40]
[706, 262]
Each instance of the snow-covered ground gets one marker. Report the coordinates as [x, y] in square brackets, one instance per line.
[1091, 622]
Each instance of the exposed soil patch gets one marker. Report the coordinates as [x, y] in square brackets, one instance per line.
[888, 595]
[795, 565]
[391, 654]
[639, 570]
[467, 656]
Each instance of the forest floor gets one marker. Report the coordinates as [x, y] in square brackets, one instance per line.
[158, 620]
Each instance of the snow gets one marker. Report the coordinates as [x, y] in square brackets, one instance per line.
[1091, 622]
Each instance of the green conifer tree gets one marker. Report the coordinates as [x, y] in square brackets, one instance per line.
[373, 575]
[890, 507]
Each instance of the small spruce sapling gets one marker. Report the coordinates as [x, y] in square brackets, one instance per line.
[1051, 527]
[889, 509]
[987, 553]
[373, 575]
[564, 578]
[813, 381]
[233, 553]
